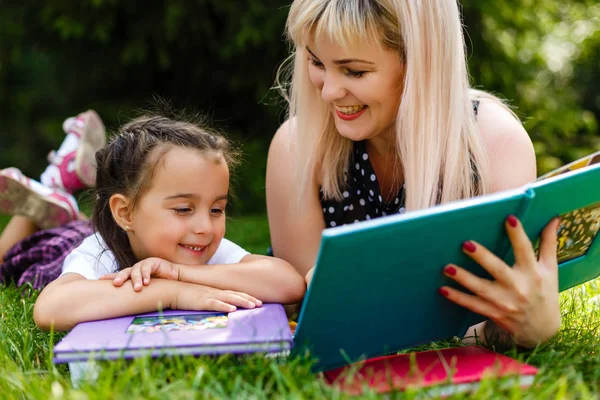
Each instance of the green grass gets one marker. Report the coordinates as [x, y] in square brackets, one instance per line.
[569, 364]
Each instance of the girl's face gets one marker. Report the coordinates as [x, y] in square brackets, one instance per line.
[362, 85]
[181, 218]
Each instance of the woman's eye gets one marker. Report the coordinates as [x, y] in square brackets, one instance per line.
[182, 210]
[217, 211]
[316, 63]
[354, 74]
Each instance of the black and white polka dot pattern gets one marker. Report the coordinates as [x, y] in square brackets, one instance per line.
[361, 197]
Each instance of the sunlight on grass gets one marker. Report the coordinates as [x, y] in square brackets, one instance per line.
[569, 364]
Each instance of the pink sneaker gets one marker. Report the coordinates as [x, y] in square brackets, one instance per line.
[49, 209]
[77, 169]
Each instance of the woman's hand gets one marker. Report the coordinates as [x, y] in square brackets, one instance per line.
[142, 271]
[522, 300]
[191, 296]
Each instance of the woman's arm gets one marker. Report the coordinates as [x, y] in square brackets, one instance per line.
[522, 301]
[295, 217]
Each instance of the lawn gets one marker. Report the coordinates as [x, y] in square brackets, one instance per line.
[569, 364]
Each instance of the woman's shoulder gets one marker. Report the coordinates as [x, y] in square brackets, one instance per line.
[284, 155]
[509, 148]
[283, 138]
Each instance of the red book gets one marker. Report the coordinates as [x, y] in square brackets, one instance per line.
[447, 371]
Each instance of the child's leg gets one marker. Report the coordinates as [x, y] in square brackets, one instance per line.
[18, 228]
[73, 165]
[45, 207]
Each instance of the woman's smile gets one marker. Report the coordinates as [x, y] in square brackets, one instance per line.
[350, 113]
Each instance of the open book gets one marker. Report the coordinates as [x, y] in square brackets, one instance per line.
[374, 289]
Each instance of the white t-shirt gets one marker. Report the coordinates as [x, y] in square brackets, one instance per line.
[92, 259]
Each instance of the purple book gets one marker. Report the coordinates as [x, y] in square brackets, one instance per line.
[263, 329]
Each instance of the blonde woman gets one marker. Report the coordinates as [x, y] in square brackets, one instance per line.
[382, 120]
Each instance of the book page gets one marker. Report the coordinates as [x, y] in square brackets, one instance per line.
[575, 165]
[576, 232]
[169, 323]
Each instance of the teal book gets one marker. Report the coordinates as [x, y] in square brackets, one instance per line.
[374, 288]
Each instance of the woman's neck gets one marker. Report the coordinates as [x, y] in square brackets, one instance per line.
[386, 163]
[383, 147]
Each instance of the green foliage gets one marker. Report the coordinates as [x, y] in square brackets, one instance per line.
[60, 57]
[526, 56]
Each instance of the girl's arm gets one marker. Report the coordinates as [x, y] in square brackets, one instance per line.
[72, 299]
[267, 279]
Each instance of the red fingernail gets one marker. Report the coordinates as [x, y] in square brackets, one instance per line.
[443, 291]
[469, 246]
[450, 270]
[512, 220]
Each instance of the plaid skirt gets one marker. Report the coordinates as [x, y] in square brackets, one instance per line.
[38, 259]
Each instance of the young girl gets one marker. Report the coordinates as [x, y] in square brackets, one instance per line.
[161, 192]
[382, 120]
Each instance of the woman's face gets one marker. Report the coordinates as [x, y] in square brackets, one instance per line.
[362, 84]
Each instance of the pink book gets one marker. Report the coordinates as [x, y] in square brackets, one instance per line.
[446, 371]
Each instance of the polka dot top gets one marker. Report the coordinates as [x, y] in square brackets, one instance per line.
[362, 199]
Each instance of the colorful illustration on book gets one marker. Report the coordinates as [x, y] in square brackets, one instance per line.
[576, 232]
[170, 323]
[575, 165]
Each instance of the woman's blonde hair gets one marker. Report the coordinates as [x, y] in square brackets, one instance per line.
[435, 126]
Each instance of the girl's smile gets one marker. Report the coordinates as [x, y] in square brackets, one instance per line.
[193, 248]
[196, 250]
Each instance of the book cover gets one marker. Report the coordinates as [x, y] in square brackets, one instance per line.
[446, 371]
[264, 329]
[376, 282]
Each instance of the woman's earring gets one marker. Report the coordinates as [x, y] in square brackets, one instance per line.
[127, 228]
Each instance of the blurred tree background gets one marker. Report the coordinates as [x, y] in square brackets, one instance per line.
[60, 57]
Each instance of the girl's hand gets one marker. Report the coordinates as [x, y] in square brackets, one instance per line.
[522, 300]
[191, 296]
[142, 271]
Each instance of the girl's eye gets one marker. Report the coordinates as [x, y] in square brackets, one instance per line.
[354, 74]
[217, 211]
[316, 63]
[182, 210]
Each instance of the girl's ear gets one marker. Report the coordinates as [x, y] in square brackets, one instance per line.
[120, 207]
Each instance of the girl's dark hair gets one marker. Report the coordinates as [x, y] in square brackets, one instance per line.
[127, 164]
